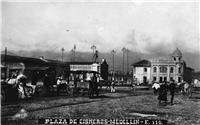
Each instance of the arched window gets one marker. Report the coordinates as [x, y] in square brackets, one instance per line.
[171, 70]
[154, 69]
[163, 69]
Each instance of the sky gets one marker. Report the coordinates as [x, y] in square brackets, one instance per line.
[146, 27]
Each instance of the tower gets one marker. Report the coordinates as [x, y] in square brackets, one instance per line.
[177, 57]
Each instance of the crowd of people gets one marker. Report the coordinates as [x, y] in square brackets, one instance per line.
[18, 80]
[162, 88]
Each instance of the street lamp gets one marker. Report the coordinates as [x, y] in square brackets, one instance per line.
[127, 58]
[123, 49]
[113, 52]
[62, 53]
[93, 47]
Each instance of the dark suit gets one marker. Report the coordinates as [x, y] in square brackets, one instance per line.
[172, 88]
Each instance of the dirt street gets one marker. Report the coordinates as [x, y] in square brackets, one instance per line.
[123, 104]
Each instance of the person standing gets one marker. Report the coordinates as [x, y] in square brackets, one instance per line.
[172, 88]
[156, 87]
[113, 86]
[163, 93]
[21, 79]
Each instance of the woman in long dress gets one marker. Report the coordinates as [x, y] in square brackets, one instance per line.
[163, 93]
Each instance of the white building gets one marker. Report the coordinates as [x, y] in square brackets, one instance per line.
[163, 69]
[89, 66]
[142, 70]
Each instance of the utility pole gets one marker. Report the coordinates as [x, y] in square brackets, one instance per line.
[123, 49]
[74, 50]
[113, 52]
[72, 53]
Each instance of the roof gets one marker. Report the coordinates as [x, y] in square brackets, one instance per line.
[163, 60]
[81, 63]
[176, 53]
[31, 61]
[142, 63]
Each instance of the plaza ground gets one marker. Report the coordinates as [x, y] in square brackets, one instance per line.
[123, 104]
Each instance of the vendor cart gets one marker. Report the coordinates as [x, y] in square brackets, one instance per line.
[86, 86]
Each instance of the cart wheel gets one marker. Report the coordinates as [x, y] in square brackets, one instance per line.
[189, 93]
[29, 90]
[75, 92]
[3, 96]
[40, 91]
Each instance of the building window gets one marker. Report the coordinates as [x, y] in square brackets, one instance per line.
[163, 69]
[145, 70]
[154, 69]
[154, 78]
[171, 70]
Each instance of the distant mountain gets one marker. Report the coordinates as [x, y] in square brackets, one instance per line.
[192, 60]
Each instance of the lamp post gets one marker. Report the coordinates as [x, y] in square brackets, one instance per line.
[113, 52]
[93, 47]
[62, 53]
[74, 52]
[127, 58]
[123, 49]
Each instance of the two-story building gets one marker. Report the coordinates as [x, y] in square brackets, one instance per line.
[163, 69]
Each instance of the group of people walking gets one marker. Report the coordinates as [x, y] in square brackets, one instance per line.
[162, 88]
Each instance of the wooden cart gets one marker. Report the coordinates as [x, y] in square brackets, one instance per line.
[89, 87]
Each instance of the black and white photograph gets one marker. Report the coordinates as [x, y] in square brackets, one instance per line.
[94, 62]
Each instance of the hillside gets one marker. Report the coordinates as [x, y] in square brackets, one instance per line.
[192, 60]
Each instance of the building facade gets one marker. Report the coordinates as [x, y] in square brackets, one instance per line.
[141, 71]
[100, 67]
[163, 69]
